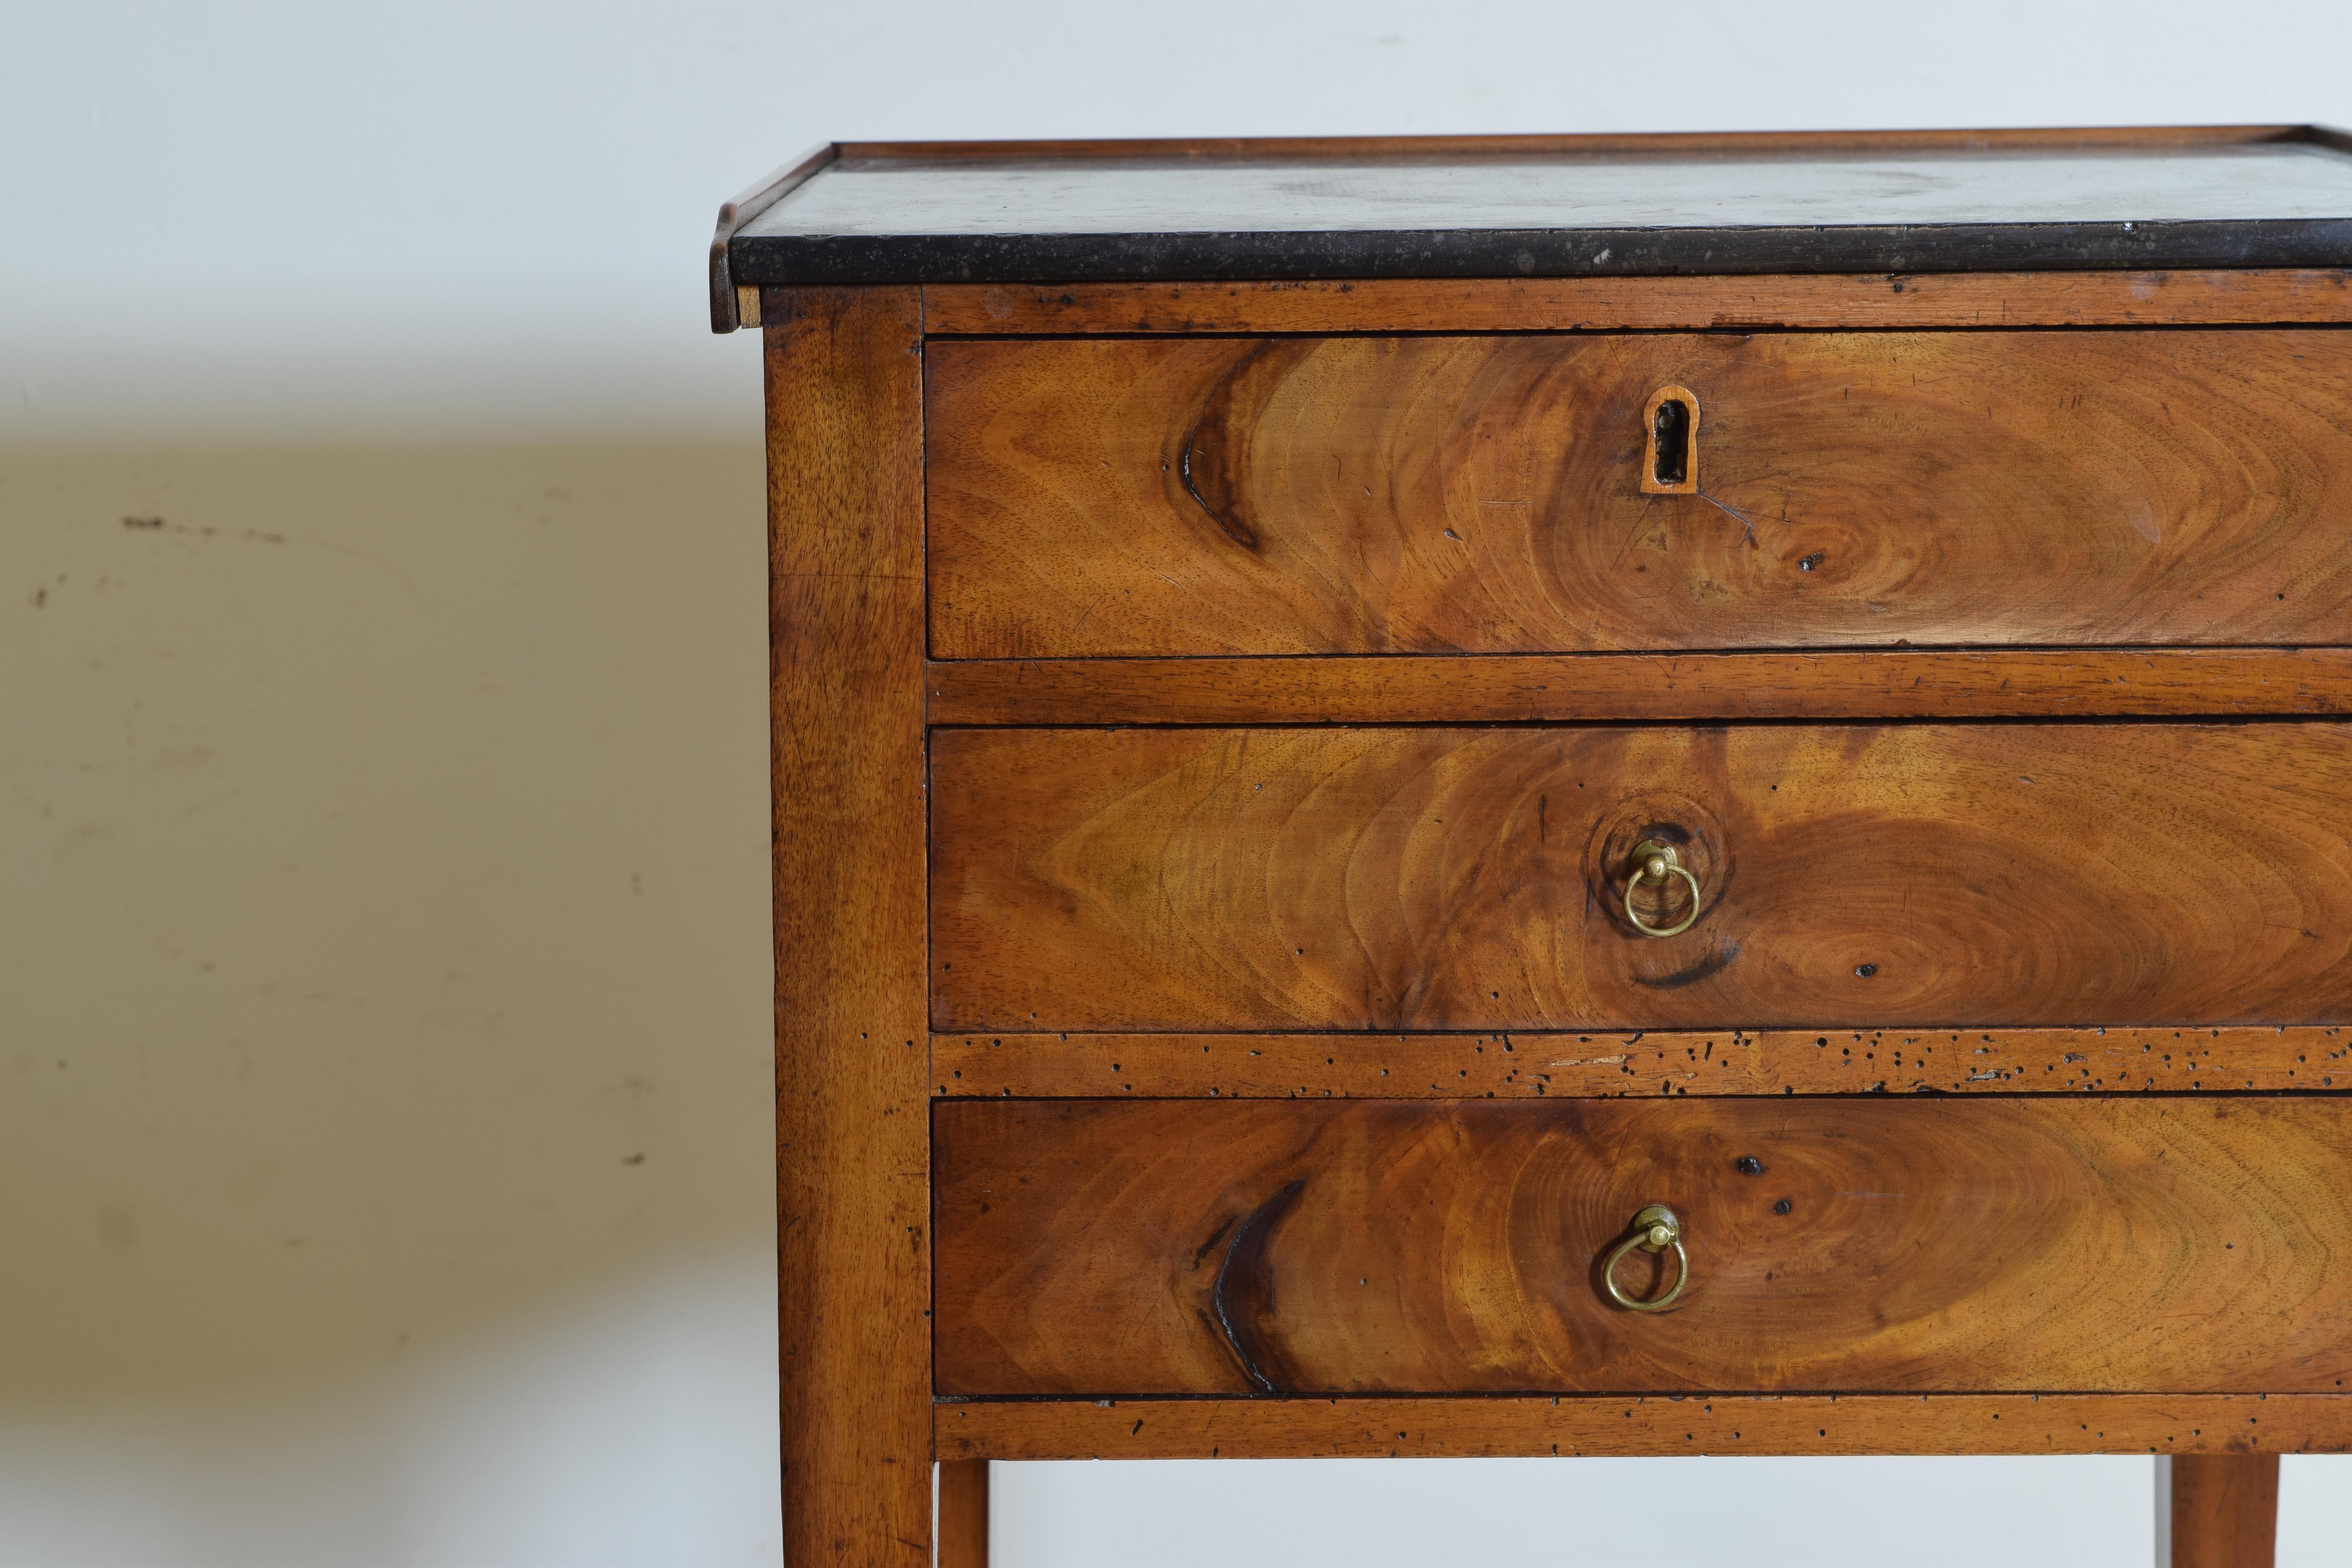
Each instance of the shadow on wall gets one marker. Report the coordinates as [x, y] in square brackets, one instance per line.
[384, 1085]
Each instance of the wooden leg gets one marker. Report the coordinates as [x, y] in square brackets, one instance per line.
[2224, 1510]
[962, 1527]
[853, 1143]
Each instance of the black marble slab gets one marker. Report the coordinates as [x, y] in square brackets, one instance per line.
[1033, 217]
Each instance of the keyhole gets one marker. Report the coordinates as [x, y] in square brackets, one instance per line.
[1672, 432]
[1670, 459]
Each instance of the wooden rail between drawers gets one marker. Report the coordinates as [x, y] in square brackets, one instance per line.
[1655, 1062]
[1571, 687]
[1824, 302]
[1522, 1427]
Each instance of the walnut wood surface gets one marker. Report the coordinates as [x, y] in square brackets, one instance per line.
[2180, 1244]
[1645, 1062]
[1854, 876]
[1539, 688]
[2224, 1510]
[1482, 494]
[845, 600]
[963, 1514]
[1491, 1427]
[2254, 297]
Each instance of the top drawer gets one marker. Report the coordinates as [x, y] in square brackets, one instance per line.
[1503, 494]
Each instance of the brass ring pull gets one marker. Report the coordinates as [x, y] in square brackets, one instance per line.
[1655, 862]
[1655, 1228]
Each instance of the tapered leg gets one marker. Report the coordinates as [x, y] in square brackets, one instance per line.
[853, 1146]
[963, 1526]
[2224, 1510]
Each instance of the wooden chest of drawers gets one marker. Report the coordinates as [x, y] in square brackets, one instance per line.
[1561, 795]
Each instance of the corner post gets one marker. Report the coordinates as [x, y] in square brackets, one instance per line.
[963, 1514]
[2223, 1509]
[845, 629]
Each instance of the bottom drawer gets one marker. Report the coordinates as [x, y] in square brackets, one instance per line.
[1113, 1248]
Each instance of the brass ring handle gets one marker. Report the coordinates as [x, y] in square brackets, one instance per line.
[1655, 1228]
[1655, 862]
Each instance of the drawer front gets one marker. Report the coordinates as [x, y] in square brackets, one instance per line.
[1870, 876]
[1095, 1247]
[1485, 494]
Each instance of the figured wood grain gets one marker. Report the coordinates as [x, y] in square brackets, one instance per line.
[1901, 876]
[2112, 1243]
[1639, 1063]
[844, 456]
[2252, 297]
[2224, 1510]
[1505, 689]
[1497, 1427]
[1142, 497]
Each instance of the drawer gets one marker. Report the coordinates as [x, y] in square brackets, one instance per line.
[1092, 1247]
[1847, 875]
[1488, 494]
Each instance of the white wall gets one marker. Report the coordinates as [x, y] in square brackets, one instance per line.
[223, 218]
[382, 983]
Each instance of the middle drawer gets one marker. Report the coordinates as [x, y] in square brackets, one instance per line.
[1850, 875]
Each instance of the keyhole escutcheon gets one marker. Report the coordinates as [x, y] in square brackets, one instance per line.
[1670, 451]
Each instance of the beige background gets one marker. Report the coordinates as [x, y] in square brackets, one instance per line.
[384, 1143]
[384, 833]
